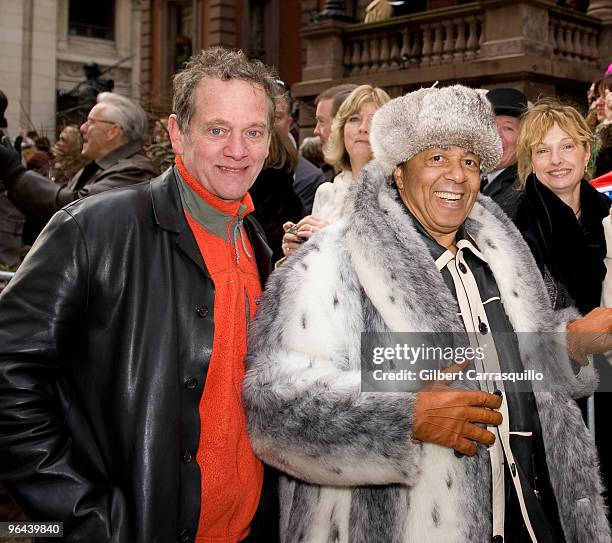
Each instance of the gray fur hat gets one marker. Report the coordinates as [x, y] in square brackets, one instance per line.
[427, 118]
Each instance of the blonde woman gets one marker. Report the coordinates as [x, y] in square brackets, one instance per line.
[560, 216]
[557, 210]
[348, 150]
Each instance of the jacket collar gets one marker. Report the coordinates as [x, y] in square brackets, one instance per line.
[387, 268]
[169, 215]
[166, 201]
[129, 149]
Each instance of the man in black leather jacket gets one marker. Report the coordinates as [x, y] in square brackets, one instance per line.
[109, 333]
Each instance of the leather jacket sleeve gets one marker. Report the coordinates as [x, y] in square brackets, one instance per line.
[34, 194]
[53, 472]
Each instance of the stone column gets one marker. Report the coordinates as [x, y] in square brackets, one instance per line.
[27, 70]
[136, 49]
[44, 65]
[324, 50]
[515, 28]
[602, 9]
[333, 9]
[222, 28]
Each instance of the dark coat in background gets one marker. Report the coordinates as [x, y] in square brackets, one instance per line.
[570, 256]
[275, 203]
[306, 182]
[503, 184]
[11, 228]
[569, 253]
[100, 384]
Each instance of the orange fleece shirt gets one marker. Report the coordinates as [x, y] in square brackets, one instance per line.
[231, 475]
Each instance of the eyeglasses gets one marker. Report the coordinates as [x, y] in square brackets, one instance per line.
[94, 121]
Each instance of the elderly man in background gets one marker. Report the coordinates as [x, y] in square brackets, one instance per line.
[509, 104]
[112, 141]
[418, 251]
[123, 334]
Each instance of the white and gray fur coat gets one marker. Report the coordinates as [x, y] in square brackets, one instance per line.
[352, 472]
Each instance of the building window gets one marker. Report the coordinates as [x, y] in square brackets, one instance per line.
[180, 32]
[92, 19]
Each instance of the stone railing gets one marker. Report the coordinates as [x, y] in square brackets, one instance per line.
[533, 45]
[573, 39]
[413, 42]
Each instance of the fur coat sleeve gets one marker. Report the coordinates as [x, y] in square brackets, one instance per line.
[306, 414]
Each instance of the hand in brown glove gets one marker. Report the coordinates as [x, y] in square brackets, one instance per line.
[445, 416]
[590, 334]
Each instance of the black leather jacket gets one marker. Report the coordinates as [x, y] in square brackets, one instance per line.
[105, 338]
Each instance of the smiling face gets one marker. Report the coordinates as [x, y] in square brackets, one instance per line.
[228, 137]
[357, 135]
[559, 162]
[439, 187]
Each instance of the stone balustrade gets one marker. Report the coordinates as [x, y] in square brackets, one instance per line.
[536, 46]
[574, 40]
[412, 44]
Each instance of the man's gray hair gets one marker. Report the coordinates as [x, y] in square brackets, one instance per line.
[223, 64]
[126, 113]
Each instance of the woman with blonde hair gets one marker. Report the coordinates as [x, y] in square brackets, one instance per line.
[558, 212]
[348, 150]
[560, 216]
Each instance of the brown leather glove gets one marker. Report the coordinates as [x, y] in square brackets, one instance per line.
[446, 417]
[590, 334]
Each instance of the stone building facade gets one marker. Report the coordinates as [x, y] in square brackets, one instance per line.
[45, 43]
[537, 46]
[265, 29]
[542, 47]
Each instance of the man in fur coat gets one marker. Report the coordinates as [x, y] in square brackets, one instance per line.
[419, 250]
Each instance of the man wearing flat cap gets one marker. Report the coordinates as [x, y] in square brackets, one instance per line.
[444, 459]
[509, 104]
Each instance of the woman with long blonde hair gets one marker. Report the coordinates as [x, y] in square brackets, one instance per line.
[348, 150]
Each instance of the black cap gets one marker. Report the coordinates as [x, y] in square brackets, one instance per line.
[507, 101]
[3, 106]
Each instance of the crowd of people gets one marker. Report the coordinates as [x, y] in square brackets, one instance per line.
[189, 356]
